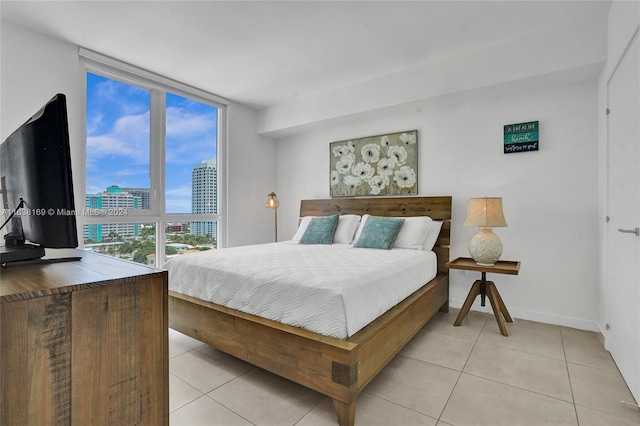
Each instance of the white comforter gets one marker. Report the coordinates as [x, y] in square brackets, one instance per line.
[333, 290]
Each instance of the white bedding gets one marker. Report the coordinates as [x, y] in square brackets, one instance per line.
[333, 290]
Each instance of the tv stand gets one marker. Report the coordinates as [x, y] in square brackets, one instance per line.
[84, 343]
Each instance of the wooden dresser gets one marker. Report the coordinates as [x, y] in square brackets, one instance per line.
[84, 342]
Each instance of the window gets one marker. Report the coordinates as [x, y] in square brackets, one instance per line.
[191, 163]
[118, 144]
[152, 166]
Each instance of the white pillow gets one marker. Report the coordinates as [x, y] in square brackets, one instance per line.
[361, 225]
[432, 235]
[412, 234]
[347, 225]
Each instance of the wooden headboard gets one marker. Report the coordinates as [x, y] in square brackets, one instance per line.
[437, 208]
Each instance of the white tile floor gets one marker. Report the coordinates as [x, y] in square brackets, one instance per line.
[468, 375]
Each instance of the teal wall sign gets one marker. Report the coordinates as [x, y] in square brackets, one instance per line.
[521, 137]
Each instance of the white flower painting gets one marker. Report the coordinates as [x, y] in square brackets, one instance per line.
[375, 165]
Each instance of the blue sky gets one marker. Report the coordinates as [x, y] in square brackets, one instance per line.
[118, 139]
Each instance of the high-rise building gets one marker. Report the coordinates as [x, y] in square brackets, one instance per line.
[204, 196]
[113, 198]
[143, 193]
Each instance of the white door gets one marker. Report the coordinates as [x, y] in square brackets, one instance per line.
[623, 272]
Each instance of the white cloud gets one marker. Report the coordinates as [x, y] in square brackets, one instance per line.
[191, 137]
[132, 172]
[185, 124]
[111, 93]
[129, 137]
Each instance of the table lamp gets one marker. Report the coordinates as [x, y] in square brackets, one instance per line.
[485, 247]
[272, 203]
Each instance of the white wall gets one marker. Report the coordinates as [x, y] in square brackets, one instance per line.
[576, 51]
[549, 196]
[251, 176]
[35, 67]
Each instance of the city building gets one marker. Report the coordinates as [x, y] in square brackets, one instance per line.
[113, 197]
[204, 196]
[177, 227]
[143, 193]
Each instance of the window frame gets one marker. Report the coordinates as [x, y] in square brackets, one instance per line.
[158, 86]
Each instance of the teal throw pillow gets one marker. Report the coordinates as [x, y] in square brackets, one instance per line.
[379, 232]
[320, 230]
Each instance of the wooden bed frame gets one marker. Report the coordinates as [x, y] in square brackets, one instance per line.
[337, 368]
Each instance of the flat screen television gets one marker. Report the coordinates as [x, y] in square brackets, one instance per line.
[37, 186]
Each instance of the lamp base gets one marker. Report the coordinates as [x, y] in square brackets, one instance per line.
[485, 247]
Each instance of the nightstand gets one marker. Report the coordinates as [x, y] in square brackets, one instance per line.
[484, 288]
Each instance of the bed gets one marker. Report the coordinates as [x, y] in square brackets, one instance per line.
[337, 367]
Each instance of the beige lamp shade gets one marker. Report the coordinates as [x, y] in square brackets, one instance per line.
[485, 212]
[485, 247]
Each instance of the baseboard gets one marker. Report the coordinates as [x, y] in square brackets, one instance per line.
[581, 324]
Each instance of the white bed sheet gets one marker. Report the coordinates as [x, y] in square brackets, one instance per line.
[334, 290]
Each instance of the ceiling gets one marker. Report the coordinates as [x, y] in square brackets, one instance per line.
[264, 53]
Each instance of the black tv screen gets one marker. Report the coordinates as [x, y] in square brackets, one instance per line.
[37, 185]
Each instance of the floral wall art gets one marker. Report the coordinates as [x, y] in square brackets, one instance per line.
[375, 165]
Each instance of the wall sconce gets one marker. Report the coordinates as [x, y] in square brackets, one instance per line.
[485, 247]
[272, 203]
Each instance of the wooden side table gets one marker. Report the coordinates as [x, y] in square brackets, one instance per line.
[484, 288]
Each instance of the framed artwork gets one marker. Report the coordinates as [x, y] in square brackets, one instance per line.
[375, 165]
[521, 137]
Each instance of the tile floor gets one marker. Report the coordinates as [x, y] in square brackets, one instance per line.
[468, 375]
